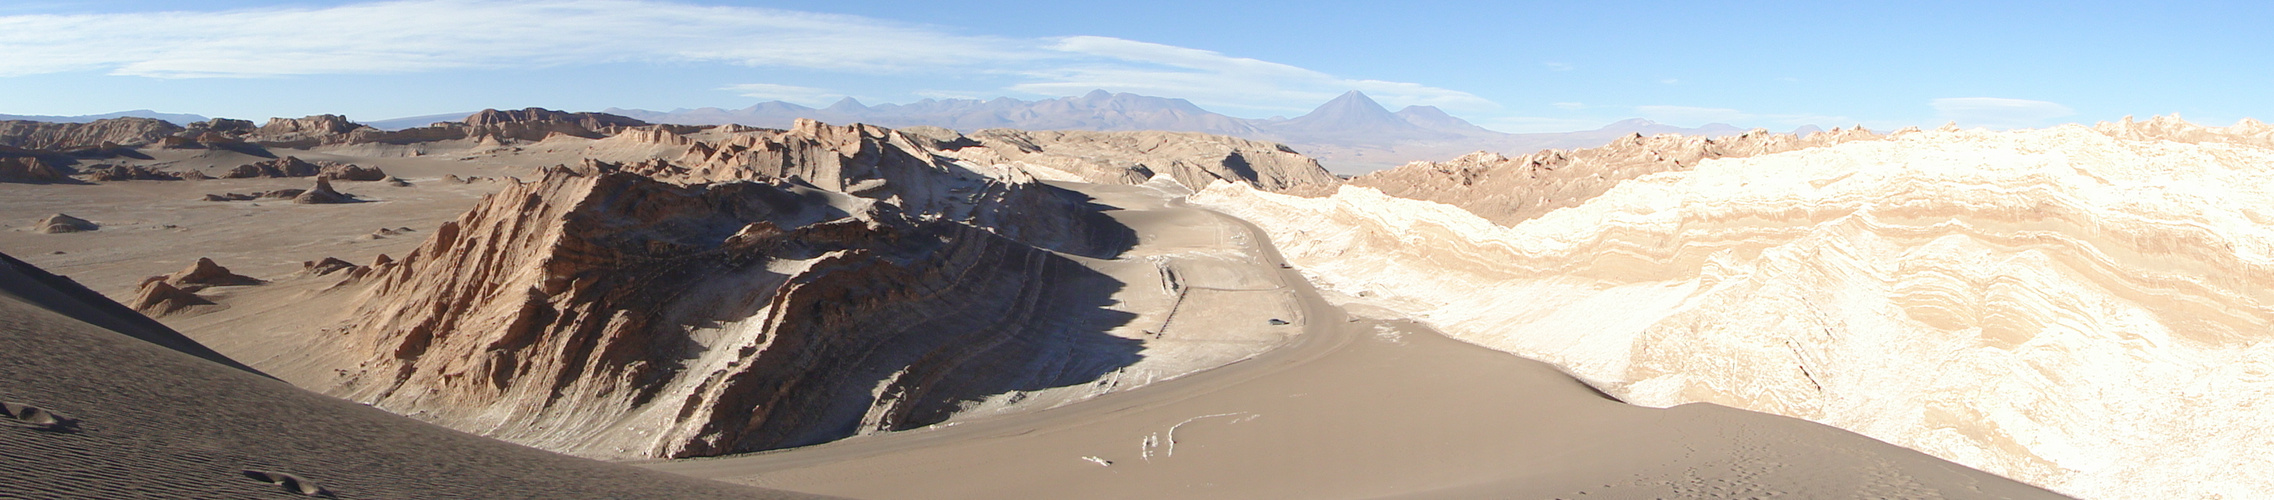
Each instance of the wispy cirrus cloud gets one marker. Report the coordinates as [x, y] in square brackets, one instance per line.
[431, 35]
[1208, 77]
[411, 36]
[1997, 112]
[802, 95]
[1695, 115]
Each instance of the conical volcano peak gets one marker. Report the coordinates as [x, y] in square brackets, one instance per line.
[1352, 112]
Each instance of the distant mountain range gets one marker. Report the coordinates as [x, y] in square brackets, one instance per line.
[1350, 134]
[176, 118]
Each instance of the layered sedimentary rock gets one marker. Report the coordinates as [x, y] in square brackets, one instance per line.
[95, 134]
[2084, 310]
[608, 314]
[2245, 132]
[308, 132]
[907, 170]
[1510, 190]
[1193, 159]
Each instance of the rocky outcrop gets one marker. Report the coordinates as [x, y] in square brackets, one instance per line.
[30, 169]
[601, 123]
[112, 173]
[172, 293]
[327, 266]
[288, 166]
[205, 272]
[2245, 132]
[1510, 190]
[1193, 159]
[96, 134]
[608, 314]
[291, 166]
[308, 132]
[906, 170]
[61, 223]
[157, 298]
[351, 172]
[322, 194]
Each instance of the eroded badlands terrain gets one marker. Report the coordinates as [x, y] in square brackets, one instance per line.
[2080, 308]
[873, 312]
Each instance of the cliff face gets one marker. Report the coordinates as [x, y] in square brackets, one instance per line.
[1510, 190]
[2080, 309]
[908, 170]
[613, 315]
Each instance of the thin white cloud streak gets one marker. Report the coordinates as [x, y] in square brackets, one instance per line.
[412, 36]
[430, 35]
[1211, 78]
[1997, 112]
[1695, 116]
[802, 95]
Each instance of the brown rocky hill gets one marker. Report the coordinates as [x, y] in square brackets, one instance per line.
[101, 402]
[98, 133]
[611, 314]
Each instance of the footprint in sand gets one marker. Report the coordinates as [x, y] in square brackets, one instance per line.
[291, 483]
[37, 418]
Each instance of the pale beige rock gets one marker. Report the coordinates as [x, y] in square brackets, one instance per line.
[1511, 190]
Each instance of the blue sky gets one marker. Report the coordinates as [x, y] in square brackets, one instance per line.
[1511, 66]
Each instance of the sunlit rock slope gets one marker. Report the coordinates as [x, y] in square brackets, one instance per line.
[2087, 310]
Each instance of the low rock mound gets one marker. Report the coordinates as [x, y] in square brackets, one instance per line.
[327, 266]
[323, 194]
[171, 293]
[31, 170]
[206, 272]
[157, 298]
[281, 167]
[61, 223]
[113, 173]
[351, 172]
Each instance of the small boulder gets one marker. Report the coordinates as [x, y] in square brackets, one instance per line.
[60, 223]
